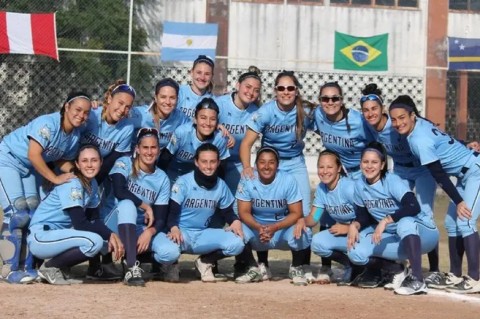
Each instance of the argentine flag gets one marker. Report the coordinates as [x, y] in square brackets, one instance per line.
[186, 41]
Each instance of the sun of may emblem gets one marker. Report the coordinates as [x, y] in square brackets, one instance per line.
[189, 42]
[76, 193]
[175, 188]
[45, 132]
[121, 165]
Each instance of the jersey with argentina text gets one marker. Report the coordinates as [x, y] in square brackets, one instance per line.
[429, 144]
[107, 137]
[338, 202]
[336, 136]
[52, 209]
[142, 116]
[405, 164]
[188, 100]
[278, 129]
[184, 143]
[47, 131]
[198, 204]
[269, 201]
[234, 120]
[381, 198]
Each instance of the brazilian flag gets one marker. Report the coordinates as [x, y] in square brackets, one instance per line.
[361, 53]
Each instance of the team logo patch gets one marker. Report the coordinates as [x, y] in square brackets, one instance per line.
[240, 188]
[173, 139]
[175, 188]
[76, 193]
[121, 165]
[255, 117]
[44, 133]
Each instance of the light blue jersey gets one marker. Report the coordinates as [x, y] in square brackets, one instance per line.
[184, 143]
[430, 144]
[107, 137]
[234, 120]
[336, 137]
[52, 210]
[339, 202]
[278, 129]
[142, 116]
[198, 204]
[382, 198]
[48, 132]
[269, 201]
[188, 100]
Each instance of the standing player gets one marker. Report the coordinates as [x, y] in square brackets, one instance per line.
[194, 199]
[269, 206]
[402, 231]
[141, 192]
[178, 156]
[445, 157]
[62, 229]
[405, 163]
[51, 138]
[201, 86]
[283, 123]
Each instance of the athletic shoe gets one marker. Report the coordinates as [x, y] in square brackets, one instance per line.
[397, 279]
[133, 276]
[253, 275]
[156, 271]
[67, 274]
[205, 270]
[411, 286]
[171, 273]
[369, 279]
[265, 271]
[307, 269]
[31, 275]
[18, 277]
[466, 286]
[104, 272]
[440, 280]
[346, 279]
[297, 275]
[52, 275]
[324, 275]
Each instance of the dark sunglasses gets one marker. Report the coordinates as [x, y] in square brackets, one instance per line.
[371, 97]
[334, 98]
[147, 131]
[125, 88]
[289, 88]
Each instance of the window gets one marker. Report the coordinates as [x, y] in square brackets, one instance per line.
[465, 5]
[380, 3]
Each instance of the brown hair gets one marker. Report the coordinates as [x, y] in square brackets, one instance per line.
[83, 180]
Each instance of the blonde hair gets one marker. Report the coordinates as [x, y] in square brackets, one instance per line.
[108, 94]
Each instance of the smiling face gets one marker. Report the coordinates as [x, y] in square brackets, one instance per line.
[201, 75]
[147, 151]
[329, 170]
[166, 101]
[89, 162]
[207, 162]
[373, 113]
[286, 96]
[118, 107]
[331, 102]
[372, 165]
[267, 165]
[402, 120]
[76, 113]
[206, 120]
[248, 91]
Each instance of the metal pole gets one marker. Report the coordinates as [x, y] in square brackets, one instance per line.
[129, 56]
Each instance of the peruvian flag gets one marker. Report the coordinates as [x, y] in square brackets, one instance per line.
[25, 33]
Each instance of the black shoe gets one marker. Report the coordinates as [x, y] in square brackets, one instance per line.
[369, 279]
[133, 276]
[104, 272]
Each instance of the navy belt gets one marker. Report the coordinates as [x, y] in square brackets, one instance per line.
[409, 164]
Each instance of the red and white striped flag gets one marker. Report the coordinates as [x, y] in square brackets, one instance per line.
[25, 33]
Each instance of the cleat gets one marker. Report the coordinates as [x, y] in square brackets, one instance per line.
[31, 275]
[411, 286]
[440, 280]
[253, 275]
[18, 277]
[133, 276]
[205, 270]
[307, 269]
[298, 276]
[397, 280]
[104, 272]
[52, 275]
[265, 271]
[346, 279]
[369, 279]
[67, 274]
[171, 273]
[324, 275]
[466, 286]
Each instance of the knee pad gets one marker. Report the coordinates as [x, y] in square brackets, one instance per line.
[20, 204]
[32, 202]
[19, 220]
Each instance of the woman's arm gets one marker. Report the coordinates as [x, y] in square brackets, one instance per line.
[35, 156]
[107, 165]
[80, 222]
[245, 152]
[313, 218]
[245, 214]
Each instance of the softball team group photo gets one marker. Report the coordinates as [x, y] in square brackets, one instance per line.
[120, 186]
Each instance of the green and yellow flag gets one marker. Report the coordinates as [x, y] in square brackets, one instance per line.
[361, 53]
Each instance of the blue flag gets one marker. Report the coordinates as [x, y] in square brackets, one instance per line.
[186, 41]
[463, 54]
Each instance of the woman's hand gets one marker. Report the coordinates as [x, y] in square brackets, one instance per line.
[248, 173]
[339, 229]
[148, 218]
[115, 245]
[352, 236]
[236, 228]
[63, 178]
[175, 235]
[299, 228]
[143, 242]
[377, 235]
[267, 232]
[463, 212]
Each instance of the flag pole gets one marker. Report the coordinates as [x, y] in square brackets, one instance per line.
[129, 56]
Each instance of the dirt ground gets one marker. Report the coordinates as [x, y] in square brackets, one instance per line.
[192, 298]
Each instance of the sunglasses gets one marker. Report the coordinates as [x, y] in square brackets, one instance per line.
[147, 131]
[371, 97]
[125, 88]
[289, 88]
[334, 99]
